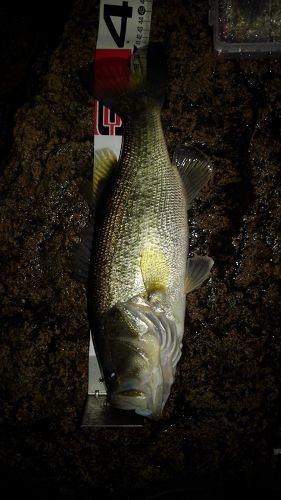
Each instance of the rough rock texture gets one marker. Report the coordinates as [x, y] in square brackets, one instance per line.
[222, 422]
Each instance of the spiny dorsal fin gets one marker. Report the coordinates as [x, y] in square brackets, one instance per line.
[194, 167]
[198, 270]
[81, 256]
[104, 162]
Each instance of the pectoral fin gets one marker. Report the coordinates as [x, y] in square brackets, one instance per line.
[198, 270]
[154, 269]
[194, 168]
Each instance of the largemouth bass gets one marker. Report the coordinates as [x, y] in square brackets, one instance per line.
[140, 271]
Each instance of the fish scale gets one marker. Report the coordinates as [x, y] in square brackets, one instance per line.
[139, 272]
[146, 208]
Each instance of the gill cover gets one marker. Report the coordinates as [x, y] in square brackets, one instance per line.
[144, 351]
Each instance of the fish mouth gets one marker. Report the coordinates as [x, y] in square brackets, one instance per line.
[145, 351]
[130, 400]
[145, 399]
[136, 401]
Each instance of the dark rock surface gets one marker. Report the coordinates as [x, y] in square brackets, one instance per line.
[222, 422]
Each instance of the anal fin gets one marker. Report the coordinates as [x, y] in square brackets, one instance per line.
[194, 167]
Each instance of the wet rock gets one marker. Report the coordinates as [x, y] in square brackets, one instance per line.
[222, 420]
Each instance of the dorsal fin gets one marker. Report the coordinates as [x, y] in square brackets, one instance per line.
[105, 161]
[81, 256]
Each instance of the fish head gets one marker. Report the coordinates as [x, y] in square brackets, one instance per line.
[137, 364]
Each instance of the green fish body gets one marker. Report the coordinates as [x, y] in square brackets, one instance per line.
[140, 273]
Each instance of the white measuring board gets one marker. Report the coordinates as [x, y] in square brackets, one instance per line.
[124, 27]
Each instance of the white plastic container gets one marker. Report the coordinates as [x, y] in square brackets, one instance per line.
[246, 26]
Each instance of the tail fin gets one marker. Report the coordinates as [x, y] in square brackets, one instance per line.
[157, 72]
[130, 86]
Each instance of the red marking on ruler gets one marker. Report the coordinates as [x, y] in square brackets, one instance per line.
[111, 124]
[109, 76]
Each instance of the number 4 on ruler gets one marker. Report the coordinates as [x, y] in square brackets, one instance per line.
[124, 12]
